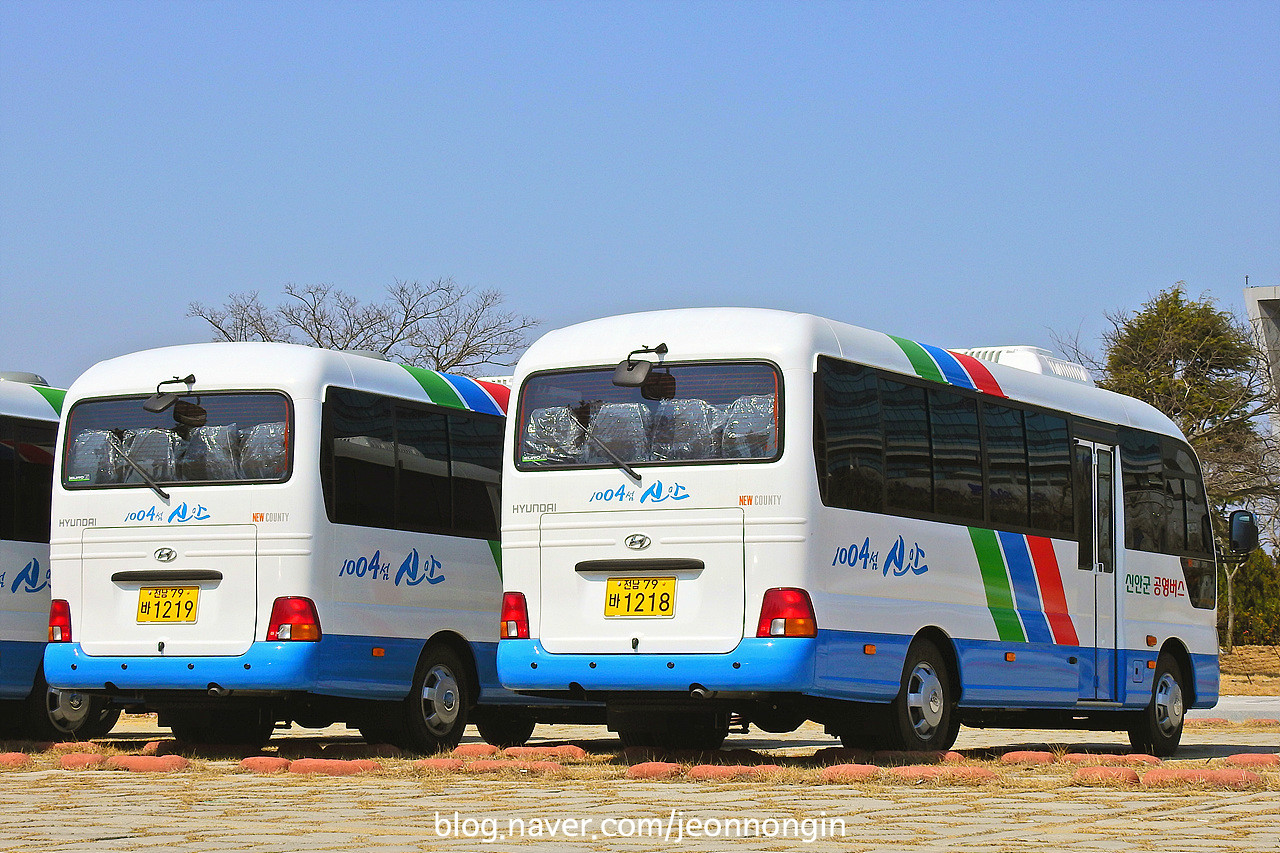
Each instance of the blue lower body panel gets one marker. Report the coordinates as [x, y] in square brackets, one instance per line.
[757, 664]
[19, 663]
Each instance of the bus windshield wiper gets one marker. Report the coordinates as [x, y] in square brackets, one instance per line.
[146, 478]
[618, 460]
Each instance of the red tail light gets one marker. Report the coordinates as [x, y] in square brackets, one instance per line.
[515, 617]
[294, 618]
[59, 621]
[787, 612]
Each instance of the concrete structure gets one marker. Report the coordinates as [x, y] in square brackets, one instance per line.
[1264, 315]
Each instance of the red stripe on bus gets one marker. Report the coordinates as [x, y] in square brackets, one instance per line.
[979, 374]
[1051, 592]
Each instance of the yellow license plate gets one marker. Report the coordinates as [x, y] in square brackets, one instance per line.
[168, 603]
[640, 597]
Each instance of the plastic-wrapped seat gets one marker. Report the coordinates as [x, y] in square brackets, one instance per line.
[156, 451]
[686, 429]
[212, 455]
[92, 460]
[624, 429]
[264, 452]
[552, 436]
[750, 428]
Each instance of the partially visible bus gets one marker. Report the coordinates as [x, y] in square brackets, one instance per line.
[28, 707]
[251, 533]
[738, 514]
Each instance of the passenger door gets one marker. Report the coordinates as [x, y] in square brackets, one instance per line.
[1095, 501]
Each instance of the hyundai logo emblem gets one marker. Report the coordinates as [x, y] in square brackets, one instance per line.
[166, 555]
[637, 541]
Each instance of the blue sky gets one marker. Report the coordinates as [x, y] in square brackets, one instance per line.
[961, 173]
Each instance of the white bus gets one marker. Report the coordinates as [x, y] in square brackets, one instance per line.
[752, 515]
[251, 533]
[28, 707]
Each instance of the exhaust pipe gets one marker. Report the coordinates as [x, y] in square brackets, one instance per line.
[219, 691]
[697, 691]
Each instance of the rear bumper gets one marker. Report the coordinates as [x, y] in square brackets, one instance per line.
[268, 667]
[756, 665]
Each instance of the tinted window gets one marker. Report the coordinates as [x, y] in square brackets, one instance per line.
[1008, 482]
[1165, 508]
[26, 478]
[850, 436]
[957, 455]
[399, 465]
[1049, 470]
[908, 468]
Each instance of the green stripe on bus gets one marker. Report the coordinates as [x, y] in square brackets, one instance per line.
[496, 548]
[437, 388]
[996, 581]
[921, 362]
[54, 396]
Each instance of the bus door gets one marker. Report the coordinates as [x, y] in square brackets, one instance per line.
[1095, 501]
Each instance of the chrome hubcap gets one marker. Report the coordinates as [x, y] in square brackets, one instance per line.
[67, 710]
[440, 705]
[1168, 704]
[926, 700]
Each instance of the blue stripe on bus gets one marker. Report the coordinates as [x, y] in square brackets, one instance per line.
[1023, 575]
[949, 366]
[476, 398]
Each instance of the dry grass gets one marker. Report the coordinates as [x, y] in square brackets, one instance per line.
[1251, 671]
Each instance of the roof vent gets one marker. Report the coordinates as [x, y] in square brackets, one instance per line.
[367, 353]
[23, 377]
[1032, 360]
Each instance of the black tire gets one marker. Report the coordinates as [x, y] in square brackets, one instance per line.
[51, 714]
[439, 703]
[1157, 728]
[922, 717]
[222, 727]
[505, 728]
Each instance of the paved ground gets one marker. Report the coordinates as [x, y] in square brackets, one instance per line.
[212, 808]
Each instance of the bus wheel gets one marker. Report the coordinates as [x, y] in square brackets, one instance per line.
[58, 714]
[505, 728]
[437, 707]
[922, 716]
[1157, 729]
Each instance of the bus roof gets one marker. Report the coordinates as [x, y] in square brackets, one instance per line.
[300, 371]
[793, 341]
[25, 400]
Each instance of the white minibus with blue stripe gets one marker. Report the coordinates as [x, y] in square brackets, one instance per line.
[29, 708]
[246, 534]
[718, 515]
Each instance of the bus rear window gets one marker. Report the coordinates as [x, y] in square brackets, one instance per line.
[206, 438]
[683, 413]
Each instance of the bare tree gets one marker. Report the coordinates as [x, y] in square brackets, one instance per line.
[441, 325]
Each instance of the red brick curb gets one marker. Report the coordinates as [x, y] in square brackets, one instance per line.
[80, 746]
[440, 765]
[1111, 759]
[475, 750]
[932, 773]
[14, 759]
[654, 770]
[265, 764]
[567, 751]
[1161, 777]
[1254, 759]
[722, 772]
[847, 773]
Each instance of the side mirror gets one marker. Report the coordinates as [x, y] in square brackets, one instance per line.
[1244, 532]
